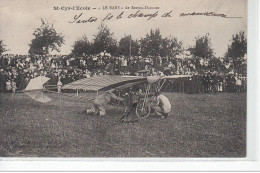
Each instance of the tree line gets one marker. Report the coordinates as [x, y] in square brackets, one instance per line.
[47, 39]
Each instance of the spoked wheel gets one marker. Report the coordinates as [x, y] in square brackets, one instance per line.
[142, 110]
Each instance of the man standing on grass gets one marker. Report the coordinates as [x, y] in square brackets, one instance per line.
[162, 106]
[98, 106]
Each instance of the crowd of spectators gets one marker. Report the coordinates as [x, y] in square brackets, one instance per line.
[208, 75]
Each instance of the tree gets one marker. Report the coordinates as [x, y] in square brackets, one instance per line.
[202, 47]
[238, 47]
[237, 50]
[171, 47]
[2, 47]
[81, 46]
[151, 44]
[155, 45]
[104, 41]
[125, 46]
[46, 39]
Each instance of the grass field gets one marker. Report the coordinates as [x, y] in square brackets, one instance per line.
[200, 125]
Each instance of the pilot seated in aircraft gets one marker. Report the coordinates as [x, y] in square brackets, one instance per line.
[162, 105]
[98, 106]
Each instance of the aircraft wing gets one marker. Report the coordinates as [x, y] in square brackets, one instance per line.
[102, 82]
[176, 76]
[127, 85]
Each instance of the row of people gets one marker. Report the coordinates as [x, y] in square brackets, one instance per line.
[17, 70]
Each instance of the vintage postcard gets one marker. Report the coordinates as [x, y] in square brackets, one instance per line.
[123, 79]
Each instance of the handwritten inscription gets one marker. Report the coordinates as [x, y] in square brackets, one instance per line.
[77, 19]
[80, 18]
[206, 14]
[139, 14]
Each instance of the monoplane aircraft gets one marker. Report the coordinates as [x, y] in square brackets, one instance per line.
[36, 87]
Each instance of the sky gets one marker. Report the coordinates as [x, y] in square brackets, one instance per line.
[19, 19]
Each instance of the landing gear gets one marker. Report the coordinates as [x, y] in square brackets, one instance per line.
[143, 110]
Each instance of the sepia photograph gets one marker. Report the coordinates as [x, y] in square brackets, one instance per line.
[123, 79]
